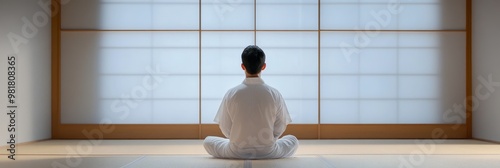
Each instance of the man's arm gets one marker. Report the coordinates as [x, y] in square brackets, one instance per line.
[282, 118]
[223, 117]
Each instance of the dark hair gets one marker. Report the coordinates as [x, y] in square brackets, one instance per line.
[253, 59]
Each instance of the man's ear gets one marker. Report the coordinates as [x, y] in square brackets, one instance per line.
[243, 67]
[263, 66]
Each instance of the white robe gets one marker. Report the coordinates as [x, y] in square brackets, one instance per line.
[253, 116]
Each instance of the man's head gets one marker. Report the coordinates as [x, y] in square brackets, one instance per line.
[254, 60]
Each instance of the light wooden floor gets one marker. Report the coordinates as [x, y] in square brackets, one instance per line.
[311, 154]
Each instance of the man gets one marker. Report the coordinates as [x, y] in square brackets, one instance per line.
[253, 116]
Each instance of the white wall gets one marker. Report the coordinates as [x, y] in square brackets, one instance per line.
[33, 85]
[486, 60]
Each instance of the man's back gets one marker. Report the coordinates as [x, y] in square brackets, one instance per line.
[257, 112]
[253, 116]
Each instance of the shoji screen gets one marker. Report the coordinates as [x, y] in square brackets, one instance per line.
[116, 67]
[287, 31]
[336, 62]
[391, 63]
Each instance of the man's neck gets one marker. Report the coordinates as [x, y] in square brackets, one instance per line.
[252, 75]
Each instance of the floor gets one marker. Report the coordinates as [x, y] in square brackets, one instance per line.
[311, 154]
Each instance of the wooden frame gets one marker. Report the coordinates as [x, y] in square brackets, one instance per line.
[56, 69]
[303, 131]
[468, 71]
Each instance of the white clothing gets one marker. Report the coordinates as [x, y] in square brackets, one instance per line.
[253, 116]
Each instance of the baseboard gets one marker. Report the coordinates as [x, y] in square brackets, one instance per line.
[24, 143]
[487, 140]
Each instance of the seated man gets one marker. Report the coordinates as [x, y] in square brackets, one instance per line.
[253, 116]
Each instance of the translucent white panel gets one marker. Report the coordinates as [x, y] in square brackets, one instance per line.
[294, 87]
[295, 60]
[227, 15]
[166, 16]
[213, 89]
[176, 49]
[221, 52]
[288, 53]
[175, 112]
[169, 1]
[222, 61]
[303, 111]
[177, 87]
[389, 15]
[442, 40]
[287, 15]
[124, 61]
[377, 1]
[369, 15]
[453, 14]
[421, 1]
[421, 39]
[209, 108]
[354, 42]
[333, 61]
[79, 71]
[339, 16]
[339, 112]
[420, 111]
[123, 86]
[117, 15]
[379, 61]
[337, 1]
[216, 86]
[81, 112]
[175, 39]
[169, 60]
[300, 94]
[412, 61]
[227, 39]
[430, 19]
[452, 69]
[121, 39]
[378, 111]
[130, 68]
[288, 39]
[121, 1]
[445, 14]
[339, 87]
[78, 105]
[125, 111]
[419, 87]
[378, 87]
[401, 67]
[378, 17]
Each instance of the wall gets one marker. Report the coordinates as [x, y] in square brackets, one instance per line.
[25, 24]
[486, 59]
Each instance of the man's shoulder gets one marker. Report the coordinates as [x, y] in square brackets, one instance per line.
[270, 88]
[273, 90]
